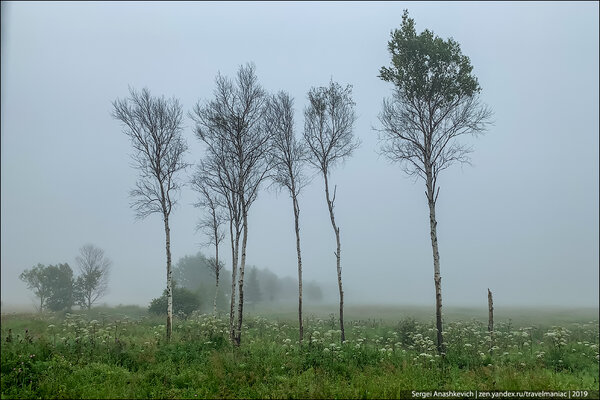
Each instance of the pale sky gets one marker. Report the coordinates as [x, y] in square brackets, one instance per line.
[522, 220]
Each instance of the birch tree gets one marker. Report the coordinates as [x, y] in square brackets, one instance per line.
[328, 124]
[94, 271]
[211, 224]
[231, 127]
[288, 155]
[221, 176]
[154, 126]
[435, 102]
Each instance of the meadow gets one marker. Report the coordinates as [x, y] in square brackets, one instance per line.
[121, 353]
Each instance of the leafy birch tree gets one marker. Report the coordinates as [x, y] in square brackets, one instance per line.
[237, 147]
[154, 125]
[328, 124]
[288, 156]
[435, 101]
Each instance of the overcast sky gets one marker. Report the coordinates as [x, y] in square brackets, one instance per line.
[522, 220]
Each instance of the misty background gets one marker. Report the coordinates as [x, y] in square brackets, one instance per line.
[523, 220]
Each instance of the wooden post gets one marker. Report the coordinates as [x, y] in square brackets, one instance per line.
[491, 318]
[491, 312]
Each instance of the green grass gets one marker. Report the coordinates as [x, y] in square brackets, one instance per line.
[121, 353]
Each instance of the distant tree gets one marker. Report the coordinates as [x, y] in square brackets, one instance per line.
[313, 291]
[271, 285]
[231, 128]
[289, 156]
[185, 302]
[435, 101]
[60, 278]
[253, 292]
[328, 123]
[194, 272]
[211, 224]
[154, 126]
[37, 280]
[94, 270]
[52, 284]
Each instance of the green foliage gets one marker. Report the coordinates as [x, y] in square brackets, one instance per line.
[79, 356]
[37, 280]
[83, 285]
[52, 284]
[185, 302]
[426, 67]
[194, 273]
[61, 284]
[191, 271]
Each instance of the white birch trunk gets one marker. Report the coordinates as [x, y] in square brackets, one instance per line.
[235, 240]
[336, 229]
[240, 315]
[297, 227]
[217, 278]
[169, 281]
[437, 278]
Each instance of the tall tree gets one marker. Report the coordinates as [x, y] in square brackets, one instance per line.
[237, 147]
[61, 283]
[52, 284]
[222, 177]
[94, 270]
[434, 102]
[289, 155]
[211, 224]
[37, 280]
[154, 126]
[328, 123]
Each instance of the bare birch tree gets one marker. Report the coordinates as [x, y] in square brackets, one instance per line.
[154, 126]
[219, 174]
[94, 270]
[231, 128]
[435, 101]
[211, 224]
[288, 156]
[328, 123]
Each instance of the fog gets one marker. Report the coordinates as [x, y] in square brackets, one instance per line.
[522, 220]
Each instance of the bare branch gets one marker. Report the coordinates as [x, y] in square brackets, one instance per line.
[94, 271]
[288, 154]
[237, 160]
[154, 126]
[328, 124]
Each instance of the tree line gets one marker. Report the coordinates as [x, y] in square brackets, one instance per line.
[249, 141]
[193, 290]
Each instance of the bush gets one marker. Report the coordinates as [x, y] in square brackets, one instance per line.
[184, 302]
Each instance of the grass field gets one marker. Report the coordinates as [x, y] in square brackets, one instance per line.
[121, 353]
